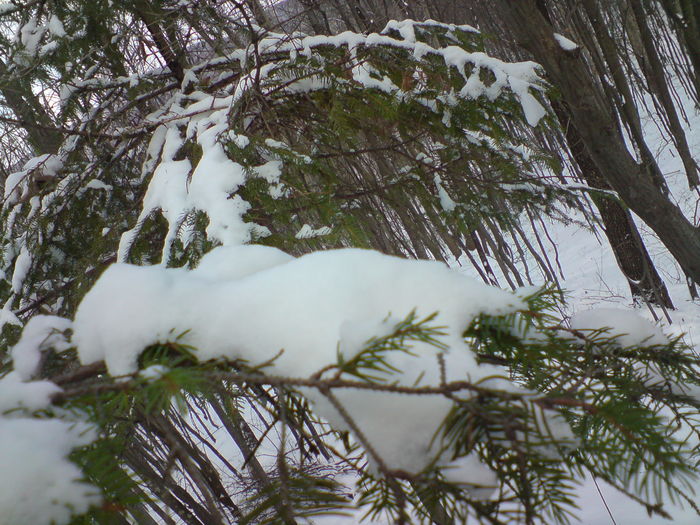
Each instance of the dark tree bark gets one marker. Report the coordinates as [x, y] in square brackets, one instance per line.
[39, 125]
[618, 225]
[152, 17]
[685, 17]
[627, 105]
[657, 80]
[596, 125]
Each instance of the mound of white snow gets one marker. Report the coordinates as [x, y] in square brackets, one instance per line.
[255, 303]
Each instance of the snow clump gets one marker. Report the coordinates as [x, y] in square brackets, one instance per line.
[259, 304]
[626, 327]
[39, 485]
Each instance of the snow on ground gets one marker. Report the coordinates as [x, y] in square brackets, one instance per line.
[593, 280]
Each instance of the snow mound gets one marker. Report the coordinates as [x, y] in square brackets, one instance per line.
[42, 331]
[38, 484]
[627, 327]
[234, 262]
[259, 304]
[31, 395]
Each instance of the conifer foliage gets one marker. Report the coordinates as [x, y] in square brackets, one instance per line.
[187, 337]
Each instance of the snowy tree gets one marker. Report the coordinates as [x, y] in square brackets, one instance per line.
[182, 171]
[596, 124]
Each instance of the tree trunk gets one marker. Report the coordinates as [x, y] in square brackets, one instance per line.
[619, 228]
[168, 48]
[40, 128]
[596, 126]
[628, 107]
[687, 25]
[657, 81]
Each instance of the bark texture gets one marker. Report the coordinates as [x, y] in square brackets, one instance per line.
[597, 127]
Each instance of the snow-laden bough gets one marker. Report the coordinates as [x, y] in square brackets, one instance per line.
[258, 304]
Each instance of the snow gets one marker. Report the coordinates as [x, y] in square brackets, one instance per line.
[565, 43]
[251, 301]
[239, 140]
[167, 192]
[155, 145]
[486, 480]
[228, 263]
[445, 200]
[214, 178]
[594, 282]
[98, 185]
[48, 48]
[153, 372]
[7, 316]
[38, 484]
[625, 326]
[308, 232]
[270, 171]
[519, 77]
[23, 264]
[176, 191]
[30, 34]
[257, 304]
[178, 188]
[55, 26]
[533, 110]
[17, 184]
[16, 393]
[42, 331]
[406, 28]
